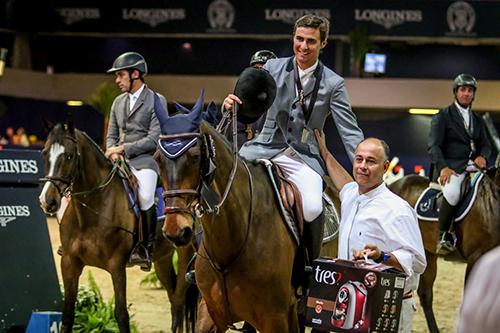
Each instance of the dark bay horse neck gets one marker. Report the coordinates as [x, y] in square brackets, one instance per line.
[236, 213]
[98, 195]
[477, 233]
[244, 267]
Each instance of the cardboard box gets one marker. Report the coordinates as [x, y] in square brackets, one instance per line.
[354, 297]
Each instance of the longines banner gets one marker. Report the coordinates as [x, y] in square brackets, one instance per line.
[20, 166]
[385, 18]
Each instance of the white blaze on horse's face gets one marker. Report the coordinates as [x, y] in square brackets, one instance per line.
[55, 151]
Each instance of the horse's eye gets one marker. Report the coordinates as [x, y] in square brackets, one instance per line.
[69, 156]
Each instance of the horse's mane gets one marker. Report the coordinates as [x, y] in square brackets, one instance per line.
[206, 128]
[96, 149]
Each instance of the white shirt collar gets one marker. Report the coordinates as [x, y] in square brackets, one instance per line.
[135, 96]
[465, 113]
[372, 193]
[305, 74]
[461, 108]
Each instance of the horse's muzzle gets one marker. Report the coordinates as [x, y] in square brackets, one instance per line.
[183, 237]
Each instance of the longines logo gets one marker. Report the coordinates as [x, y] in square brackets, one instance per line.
[10, 213]
[154, 16]
[221, 16]
[290, 15]
[388, 18]
[18, 166]
[73, 15]
[461, 18]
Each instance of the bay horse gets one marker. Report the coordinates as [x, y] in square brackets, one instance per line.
[245, 261]
[98, 225]
[477, 233]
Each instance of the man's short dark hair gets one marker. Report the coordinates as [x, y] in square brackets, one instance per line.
[316, 22]
[383, 144]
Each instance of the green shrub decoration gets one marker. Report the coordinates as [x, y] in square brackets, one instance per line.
[93, 314]
[151, 281]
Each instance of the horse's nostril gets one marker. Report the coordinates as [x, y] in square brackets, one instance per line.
[186, 234]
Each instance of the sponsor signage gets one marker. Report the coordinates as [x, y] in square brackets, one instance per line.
[353, 297]
[381, 18]
[21, 166]
[28, 279]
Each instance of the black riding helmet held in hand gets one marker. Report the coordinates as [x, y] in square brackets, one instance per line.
[261, 57]
[464, 80]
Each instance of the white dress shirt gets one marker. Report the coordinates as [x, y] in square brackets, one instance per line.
[134, 97]
[306, 74]
[465, 113]
[384, 219]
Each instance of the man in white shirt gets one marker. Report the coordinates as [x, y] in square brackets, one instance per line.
[376, 223]
[458, 144]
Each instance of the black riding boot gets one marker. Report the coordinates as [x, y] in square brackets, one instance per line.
[142, 253]
[313, 237]
[446, 242]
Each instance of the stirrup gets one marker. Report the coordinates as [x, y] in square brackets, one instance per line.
[140, 257]
[190, 277]
[445, 246]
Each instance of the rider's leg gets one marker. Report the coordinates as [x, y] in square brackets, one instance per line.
[451, 197]
[146, 179]
[310, 186]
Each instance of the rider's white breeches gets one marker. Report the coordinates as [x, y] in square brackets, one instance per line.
[451, 190]
[309, 183]
[147, 179]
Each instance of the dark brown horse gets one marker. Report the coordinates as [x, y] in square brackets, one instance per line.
[97, 226]
[477, 233]
[244, 265]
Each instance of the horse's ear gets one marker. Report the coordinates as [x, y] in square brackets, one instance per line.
[47, 125]
[161, 113]
[198, 107]
[70, 126]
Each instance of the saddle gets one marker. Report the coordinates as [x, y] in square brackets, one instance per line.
[289, 199]
[428, 203]
[131, 186]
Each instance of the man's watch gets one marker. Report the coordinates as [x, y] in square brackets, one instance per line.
[384, 256]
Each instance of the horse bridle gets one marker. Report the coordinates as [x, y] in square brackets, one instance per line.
[67, 181]
[207, 169]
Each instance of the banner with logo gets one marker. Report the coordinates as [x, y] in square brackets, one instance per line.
[28, 279]
[262, 18]
[20, 166]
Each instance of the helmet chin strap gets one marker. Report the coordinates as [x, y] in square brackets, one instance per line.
[130, 71]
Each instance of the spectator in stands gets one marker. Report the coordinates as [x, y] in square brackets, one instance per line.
[22, 137]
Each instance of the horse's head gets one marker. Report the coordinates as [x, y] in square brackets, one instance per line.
[60, 156]
[181, 155]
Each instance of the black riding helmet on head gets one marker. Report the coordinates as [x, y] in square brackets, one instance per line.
[261, 57]
[464, 80]
[130, 61]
